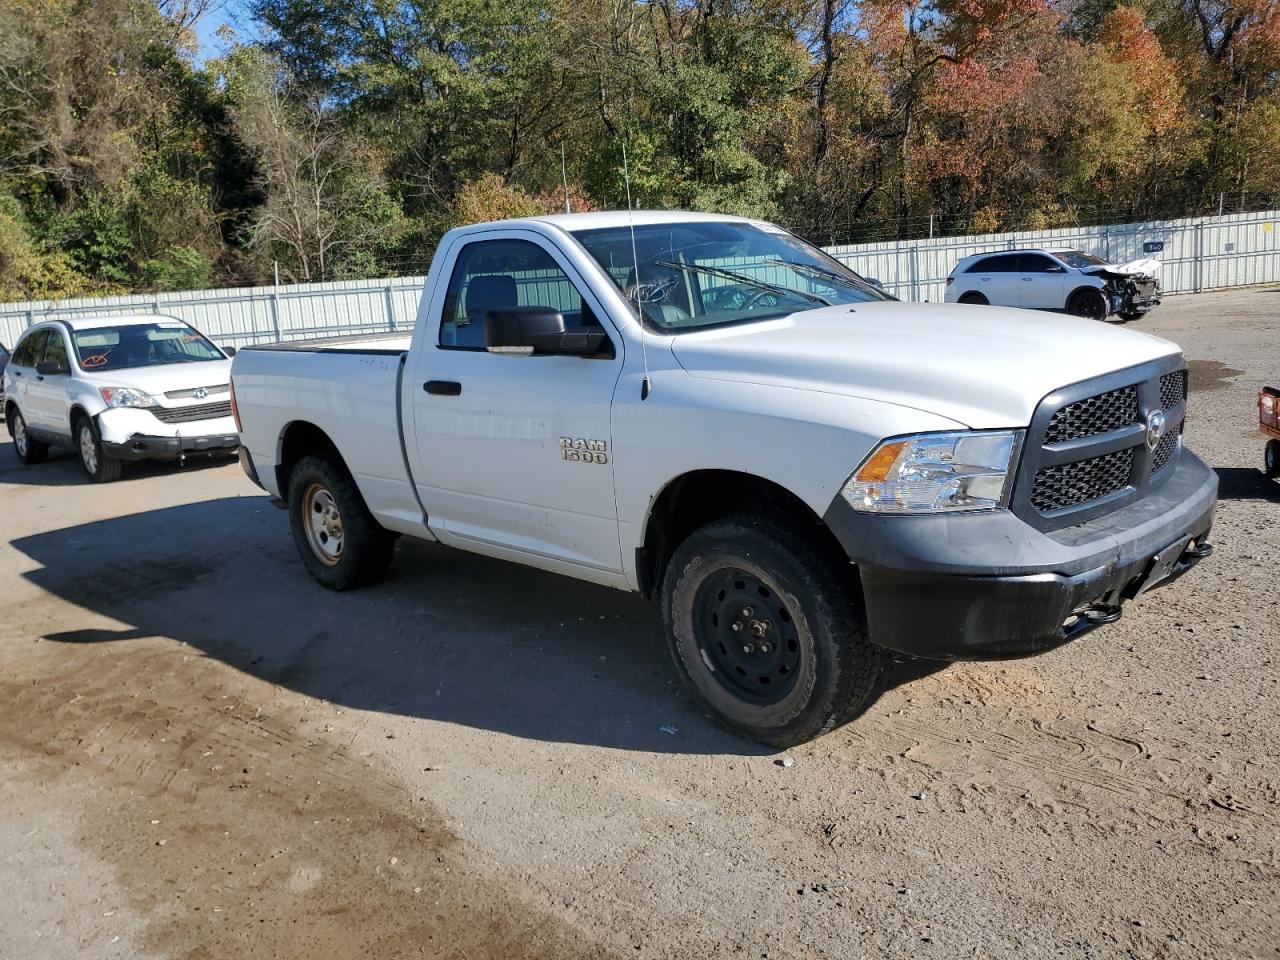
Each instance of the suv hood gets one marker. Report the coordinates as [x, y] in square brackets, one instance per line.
[984, 367]
[166, 378]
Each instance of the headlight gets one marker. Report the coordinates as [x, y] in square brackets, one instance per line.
[126, 397]
[935, 472]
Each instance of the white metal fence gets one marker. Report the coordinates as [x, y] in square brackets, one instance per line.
[1201, 253]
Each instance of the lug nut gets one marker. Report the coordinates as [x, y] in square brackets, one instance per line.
[748, 648]
[736, 626]
[747, 611]
[766, 647]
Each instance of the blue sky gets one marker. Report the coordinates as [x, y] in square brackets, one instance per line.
[207, 29]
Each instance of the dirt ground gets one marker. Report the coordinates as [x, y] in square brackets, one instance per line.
[204, 755]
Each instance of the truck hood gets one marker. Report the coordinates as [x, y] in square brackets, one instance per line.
[165, 378]
[984, 367]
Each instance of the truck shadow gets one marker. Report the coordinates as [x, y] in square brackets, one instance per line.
[451, 636]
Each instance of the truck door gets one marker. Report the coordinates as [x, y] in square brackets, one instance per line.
[514, 452]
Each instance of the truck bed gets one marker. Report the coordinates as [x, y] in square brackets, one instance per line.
[347, 388]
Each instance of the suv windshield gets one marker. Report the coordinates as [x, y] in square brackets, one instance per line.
[142, 345]
[696, 274]
[1078, 259]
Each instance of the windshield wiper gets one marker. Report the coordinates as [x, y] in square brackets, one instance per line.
[816, 270]
[742, 278]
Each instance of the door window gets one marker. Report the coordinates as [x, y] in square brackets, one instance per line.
[496, 274]
[30, 349]
[55, 350]
[1004, 263]
[1036, 263]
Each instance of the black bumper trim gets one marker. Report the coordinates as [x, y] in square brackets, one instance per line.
[143, 447]
[987, 585]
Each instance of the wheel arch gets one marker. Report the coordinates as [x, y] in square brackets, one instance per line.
[974, 297]
[698, 497]
[298, 439]
[77, 410]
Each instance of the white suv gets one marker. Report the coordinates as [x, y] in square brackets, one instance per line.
[118, 388]
[1067, 280]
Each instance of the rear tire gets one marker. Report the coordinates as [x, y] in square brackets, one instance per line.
[1271, 459]
[1090, 304]
[767, 631]
[30, 450]
[100, 467]
[975, 298]
[340, 543]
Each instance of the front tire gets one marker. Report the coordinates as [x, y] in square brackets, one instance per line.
[1090, 304]
[100, 467]
[30, 450]
[1271, 459]
[767, 631]
[340, 543]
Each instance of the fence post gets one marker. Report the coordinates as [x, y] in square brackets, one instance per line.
[391, 304]
[31, 316]
[275, 312]
[1106, 244]
[1199, 256]
[915, 273]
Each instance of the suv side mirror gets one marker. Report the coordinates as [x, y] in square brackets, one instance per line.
[229, 351]
[527, 330]
[52, 368]
[1055, 268]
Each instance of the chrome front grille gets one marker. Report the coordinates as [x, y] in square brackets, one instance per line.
[199, 411]
[1087, 449]
[1094, 415]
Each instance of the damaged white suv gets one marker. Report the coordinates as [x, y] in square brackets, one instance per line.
[1067, 280]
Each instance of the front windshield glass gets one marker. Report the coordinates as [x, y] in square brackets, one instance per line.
[696, 274]
[142, 345]
[1078, 259]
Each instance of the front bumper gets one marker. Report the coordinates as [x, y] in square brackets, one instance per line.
[987, 585]
[143, 447]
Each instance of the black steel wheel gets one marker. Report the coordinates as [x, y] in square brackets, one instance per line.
[766, 629]
[750, 635]
[1271, 458]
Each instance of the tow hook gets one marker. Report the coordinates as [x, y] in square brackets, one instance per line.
[1198, 551]
[1101, 613]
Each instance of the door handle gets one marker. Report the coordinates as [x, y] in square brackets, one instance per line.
[1027, 279]
[443, 388]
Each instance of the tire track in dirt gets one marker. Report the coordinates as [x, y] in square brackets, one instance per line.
[239, 824]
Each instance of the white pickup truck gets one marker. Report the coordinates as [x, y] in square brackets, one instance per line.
[712, 412]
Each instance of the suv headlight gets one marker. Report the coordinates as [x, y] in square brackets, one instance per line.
[937, 472]
[126, 397]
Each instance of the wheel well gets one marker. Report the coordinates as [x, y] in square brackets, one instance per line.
[300, 439]
[695, 499]
[1079, 290]
[9, 407]
[73, 416]
[972, 296]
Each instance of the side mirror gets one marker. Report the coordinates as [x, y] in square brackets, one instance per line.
[1056, 269]
[229, 351]
[523, 331]
[52, 368]
[875, 283]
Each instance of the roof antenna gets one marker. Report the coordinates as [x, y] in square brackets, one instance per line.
[635, 265]
[565, 177]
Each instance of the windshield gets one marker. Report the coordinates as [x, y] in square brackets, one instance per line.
[708, 273]
[142, 345]
[1078, 259]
